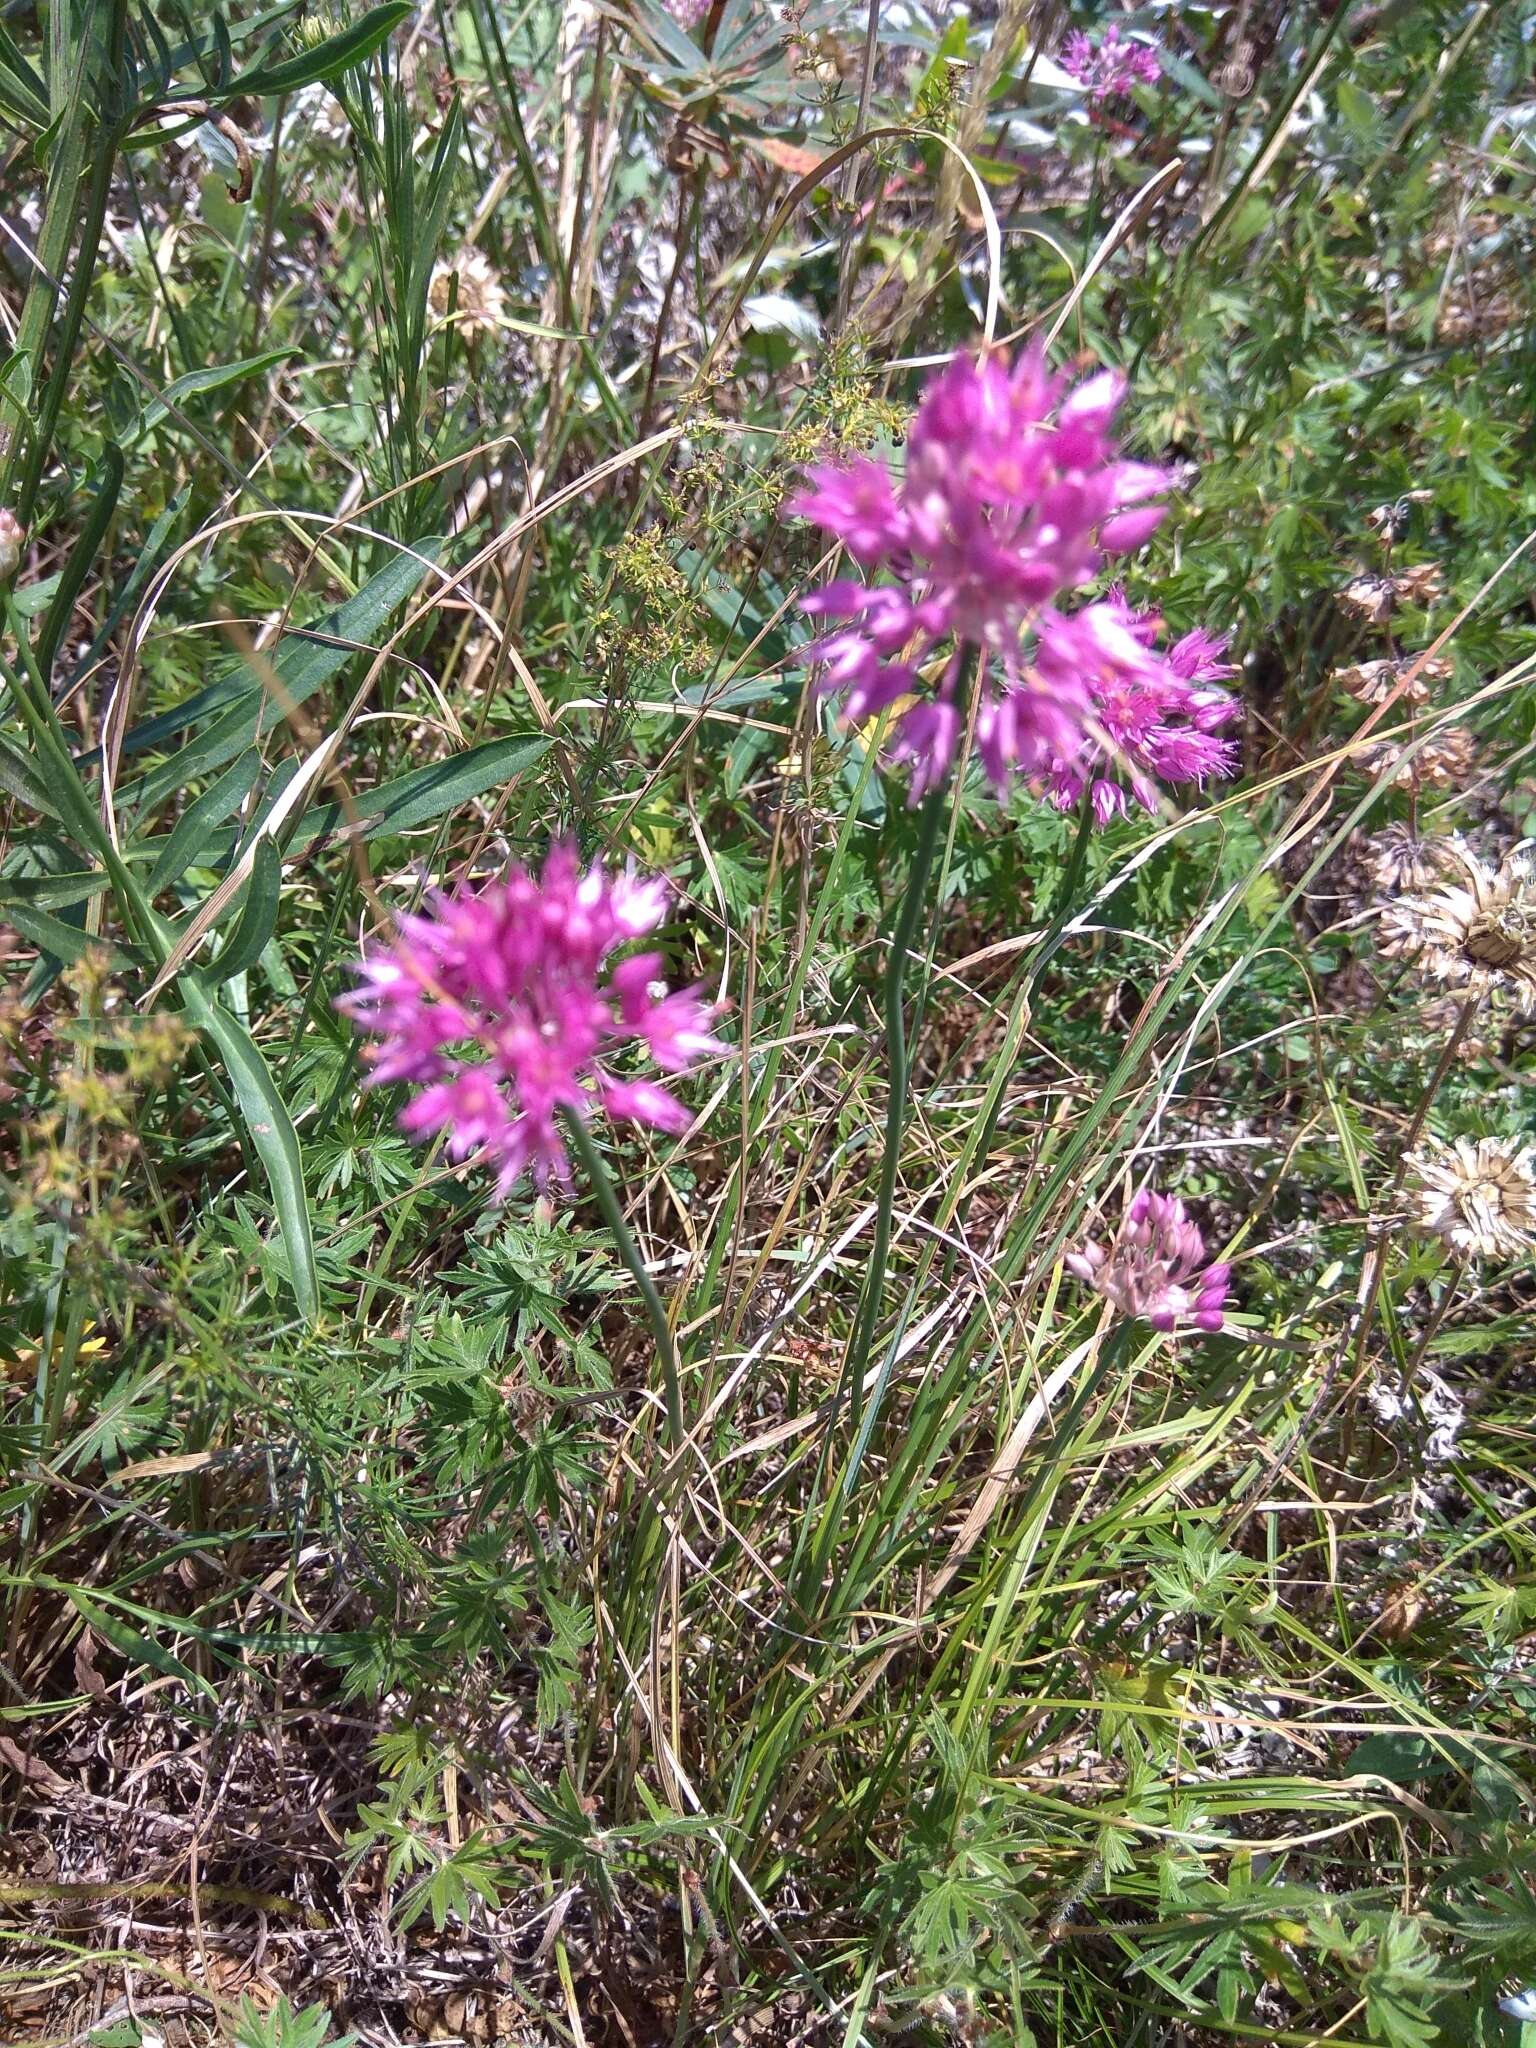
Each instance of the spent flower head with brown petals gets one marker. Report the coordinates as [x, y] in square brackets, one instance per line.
[1477, 1195]
[1476, 932]
[1444, 760]
[1399, 860]
[1155, 1266]
[1373, 682]
[503, 1007]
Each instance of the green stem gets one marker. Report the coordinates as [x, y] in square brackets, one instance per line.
[109, 136]
[1051, 942]
[613, 1215]
[899, 1053]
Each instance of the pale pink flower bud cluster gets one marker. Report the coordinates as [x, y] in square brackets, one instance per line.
[12, 539]
[1155, 1267]
[502, 1007]
[1013, 494]
[1154, 717]
[1111, 66]
[687, 13]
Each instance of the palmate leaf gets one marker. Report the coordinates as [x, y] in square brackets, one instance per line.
[1402, 1986]
[449, 1891]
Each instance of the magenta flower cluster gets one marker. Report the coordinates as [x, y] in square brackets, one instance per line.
[503, 1007]
[1155, 1267]
[1154, 718]
[1013, 494]
[1112, 65]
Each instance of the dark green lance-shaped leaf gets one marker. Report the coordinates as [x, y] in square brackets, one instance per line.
[53, 892]
[429, 793]
[22, 92]
[138, 1649]
[214, 378]
[18, 778]
[258, 915]
[201, 819]
[81, 556]
[349, 46]
[271, 1130]
[304, 660]
[143, 569]
[61, 942]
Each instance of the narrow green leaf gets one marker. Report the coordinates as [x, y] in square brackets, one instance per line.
[350, 46]
[214, 378]
[201, 819]
[305, 659]
[139, 1649]
[18, 778]
[271, 1132]
[62, 942]
[53, 892]
[258, 916]
[139, 575]
[429, 793]
[22, 92]
[82, 557]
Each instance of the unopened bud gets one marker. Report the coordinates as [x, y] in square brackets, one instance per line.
[11, 538]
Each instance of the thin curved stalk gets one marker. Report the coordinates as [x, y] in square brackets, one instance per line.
[655, 1309]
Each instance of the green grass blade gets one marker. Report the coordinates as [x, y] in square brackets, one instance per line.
[271, 1130]
[201, 820]
[258, 915]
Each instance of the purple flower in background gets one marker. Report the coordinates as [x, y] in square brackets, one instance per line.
[687, 13]
[1155, 717]
[1013, 494]
[500, 1006]
[1156, 1267]
[1111, 66]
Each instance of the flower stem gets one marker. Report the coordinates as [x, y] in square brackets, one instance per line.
[613, 1215]
[899, 1053]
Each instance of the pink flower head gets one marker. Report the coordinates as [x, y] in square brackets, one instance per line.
[1111, 66]
[1156, 1266]
[1154, 717]
[1013, 494]
[687, 13]
[499, 1006]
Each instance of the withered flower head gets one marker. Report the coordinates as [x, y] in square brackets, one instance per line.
[1445, 760]
[1392, 521]
[470, 287]
[1478, 1197]
[1400, 862]
[1373, 682]
[1369, 598]
[1476, 932]
[1423, 584]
